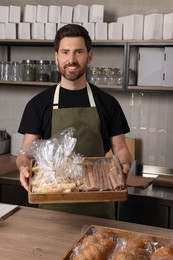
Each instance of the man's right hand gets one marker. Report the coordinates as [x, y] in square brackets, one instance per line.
[23, 161]
[24, 177]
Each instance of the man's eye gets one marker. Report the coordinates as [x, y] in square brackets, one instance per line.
[64, 52]
[79, 51]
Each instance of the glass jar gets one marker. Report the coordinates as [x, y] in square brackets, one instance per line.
[94, 76]
[119, 78]
[55, 74]
[15, 71]
[42, 70]
[4, 70]
[112, 77]
[106, 72]
[28, 70]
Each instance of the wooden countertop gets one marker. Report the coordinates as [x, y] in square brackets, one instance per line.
[32, 233]
[7, 163]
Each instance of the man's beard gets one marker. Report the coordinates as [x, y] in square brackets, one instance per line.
[70, 75]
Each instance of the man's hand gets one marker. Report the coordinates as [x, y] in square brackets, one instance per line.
[24, 177]
[126, 170]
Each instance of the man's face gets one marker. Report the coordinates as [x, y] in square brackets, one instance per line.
[72, 58]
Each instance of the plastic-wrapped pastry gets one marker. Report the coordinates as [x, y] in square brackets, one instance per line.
[97, 246]
[163, 253]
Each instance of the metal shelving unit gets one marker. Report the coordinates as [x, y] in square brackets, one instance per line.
[125, 44]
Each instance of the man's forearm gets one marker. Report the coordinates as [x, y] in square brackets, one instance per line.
[22, 161]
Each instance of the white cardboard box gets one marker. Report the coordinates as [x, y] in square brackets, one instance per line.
[10, 31]
[168, 26]
[37, 31]
[14, 14]
[132, 26]
[50, 31]
[96, 13]
[101, 31]
[2, 31]
[54, 14]
[90, 27]
[24, 31]
[66, 14]
[115, 31]
[153, 27]
[42, 14]
[29, 14]
[4, 14]
[80, 14]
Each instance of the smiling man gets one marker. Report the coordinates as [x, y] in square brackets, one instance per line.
[73, 58]
[97, 117]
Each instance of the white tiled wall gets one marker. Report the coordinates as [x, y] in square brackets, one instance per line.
[12, 104]
[150, 117]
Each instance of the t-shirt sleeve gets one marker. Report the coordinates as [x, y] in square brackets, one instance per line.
[31, 119]
[117, 123]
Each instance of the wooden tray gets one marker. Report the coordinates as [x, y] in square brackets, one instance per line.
[74, 197]
[120, 233]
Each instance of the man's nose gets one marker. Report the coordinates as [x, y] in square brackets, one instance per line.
[72, 57]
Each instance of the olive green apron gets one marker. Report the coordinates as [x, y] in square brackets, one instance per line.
[86, 122]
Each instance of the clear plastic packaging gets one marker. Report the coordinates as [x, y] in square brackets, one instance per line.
[58, 168]
[113, 244]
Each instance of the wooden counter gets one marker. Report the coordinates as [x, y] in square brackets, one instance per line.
[32, 233]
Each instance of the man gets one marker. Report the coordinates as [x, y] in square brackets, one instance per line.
[97, 117]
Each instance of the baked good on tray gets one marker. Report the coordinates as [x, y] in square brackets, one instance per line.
[99, 174]
[163, 253]
[103, 244]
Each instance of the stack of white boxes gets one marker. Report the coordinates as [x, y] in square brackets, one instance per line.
[96, 16]
[9, 17]
[42, 22]
[92, 18]
[132, 26]
[153, 27]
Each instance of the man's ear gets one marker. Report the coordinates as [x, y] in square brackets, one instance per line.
[56, 58]
[90, 57]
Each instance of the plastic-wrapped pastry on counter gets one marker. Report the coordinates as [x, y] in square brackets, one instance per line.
[98, 245]
[106, 244]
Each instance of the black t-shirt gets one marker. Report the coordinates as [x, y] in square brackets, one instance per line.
[37, 115]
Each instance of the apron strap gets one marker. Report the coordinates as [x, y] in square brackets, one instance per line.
[90, 96]
[56, 96]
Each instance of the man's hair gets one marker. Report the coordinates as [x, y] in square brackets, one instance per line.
[72, 30]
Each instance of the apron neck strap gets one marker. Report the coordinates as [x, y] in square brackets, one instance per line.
[56, 96]
[90, 96]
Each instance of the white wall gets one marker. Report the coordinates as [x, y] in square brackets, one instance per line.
[150, 115]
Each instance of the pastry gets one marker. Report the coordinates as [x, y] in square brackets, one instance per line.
[163, 253]
[124, 255]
